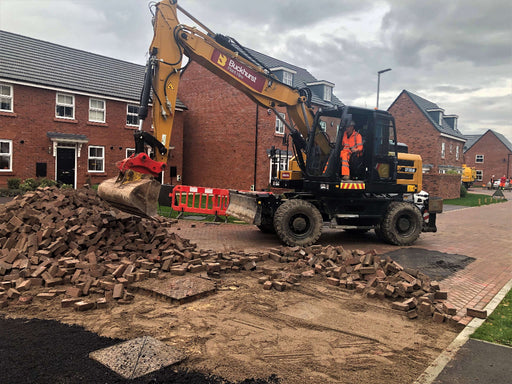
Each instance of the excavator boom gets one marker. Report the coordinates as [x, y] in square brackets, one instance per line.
[134, 189]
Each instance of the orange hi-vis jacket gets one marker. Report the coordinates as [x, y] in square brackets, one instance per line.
[351, 144]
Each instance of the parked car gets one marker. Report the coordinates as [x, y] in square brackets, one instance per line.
[496, 184]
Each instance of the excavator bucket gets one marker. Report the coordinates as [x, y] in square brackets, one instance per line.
[138, 197]
[243, 206]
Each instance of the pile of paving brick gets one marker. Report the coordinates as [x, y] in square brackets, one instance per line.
[73, 245]
[75, 241]
[367, 273]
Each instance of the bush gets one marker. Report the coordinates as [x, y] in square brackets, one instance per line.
[29, 185]
[13, 183]
[47, 183]
[463, 191]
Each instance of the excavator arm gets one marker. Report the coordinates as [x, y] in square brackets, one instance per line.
[135, 190]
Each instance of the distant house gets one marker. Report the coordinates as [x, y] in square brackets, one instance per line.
[228, 139]
[69, 115]
[429, 132]
[490, 154]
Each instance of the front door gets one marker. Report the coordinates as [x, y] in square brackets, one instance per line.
[66, 165]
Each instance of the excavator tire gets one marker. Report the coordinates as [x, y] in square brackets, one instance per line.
[402, 224]
[298, 222]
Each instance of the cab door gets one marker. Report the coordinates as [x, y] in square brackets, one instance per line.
[384, 156]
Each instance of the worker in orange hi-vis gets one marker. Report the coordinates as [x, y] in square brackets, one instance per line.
[352, 143]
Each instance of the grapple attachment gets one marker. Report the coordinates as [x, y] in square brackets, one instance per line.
[139, 197]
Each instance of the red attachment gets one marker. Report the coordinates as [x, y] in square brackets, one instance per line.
[210, 201]
[141, 163]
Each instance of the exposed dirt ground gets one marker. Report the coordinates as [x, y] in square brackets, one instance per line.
[312, 333]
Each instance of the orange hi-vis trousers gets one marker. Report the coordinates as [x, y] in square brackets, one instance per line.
[351, 144]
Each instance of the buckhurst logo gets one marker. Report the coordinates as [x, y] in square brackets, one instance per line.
[222, 60]
[239, 70]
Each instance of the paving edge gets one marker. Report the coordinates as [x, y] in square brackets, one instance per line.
[437, 366]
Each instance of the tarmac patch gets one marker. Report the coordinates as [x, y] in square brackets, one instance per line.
[437, 265]
[138, 357]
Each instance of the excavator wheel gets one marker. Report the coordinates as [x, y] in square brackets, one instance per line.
[401, 224]
[298, 222]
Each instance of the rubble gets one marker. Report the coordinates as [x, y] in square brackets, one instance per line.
[72, 245]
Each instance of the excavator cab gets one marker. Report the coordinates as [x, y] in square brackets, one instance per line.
[375, 164]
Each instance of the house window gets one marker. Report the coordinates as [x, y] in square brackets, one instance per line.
[129, 152]
[5, 155]
[96, 159]
[479, 175]
[278, 163]
[457, 153]
[443, 150]
[65, 106]
[132, 115]
[280, 124]
[5, 98]
[327, 93]
[97, 110]
[479, 158]
[451, 148]
[288, 78]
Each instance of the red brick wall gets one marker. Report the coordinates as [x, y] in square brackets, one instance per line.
[34, 116]
[444, 186]
[495, 154]
[220, 134]
[416, 130]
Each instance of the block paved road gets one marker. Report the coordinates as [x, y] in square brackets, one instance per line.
[483, 233]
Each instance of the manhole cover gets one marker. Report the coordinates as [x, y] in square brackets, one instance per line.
[436, 265]
[138, 357]
[181, 289]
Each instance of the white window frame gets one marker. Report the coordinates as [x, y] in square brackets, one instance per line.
[288, 78]
[457, 152]
[101, 158]
[479, 175]
[283, 166]
[9, 97]
[479, 159]
[132, 114]
[443, 150]
[129, 152]
[327, 93]
[280, 125]
[65, 105]
[323, 126]
[93, 109]
[8, 155]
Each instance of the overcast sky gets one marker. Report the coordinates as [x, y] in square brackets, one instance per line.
[457, 53]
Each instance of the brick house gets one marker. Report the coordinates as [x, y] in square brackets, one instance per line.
[69, 115]
[490, 154]
[429, 132]
[228, 138]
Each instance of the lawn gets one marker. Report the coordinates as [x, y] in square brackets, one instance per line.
[168, 212]
[498, 326]
[474, 200]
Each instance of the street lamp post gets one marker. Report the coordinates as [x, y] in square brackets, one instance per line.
[378, 83]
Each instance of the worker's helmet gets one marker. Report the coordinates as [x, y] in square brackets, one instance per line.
[352, 123]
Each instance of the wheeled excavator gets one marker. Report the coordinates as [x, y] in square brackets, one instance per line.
[384, 192]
